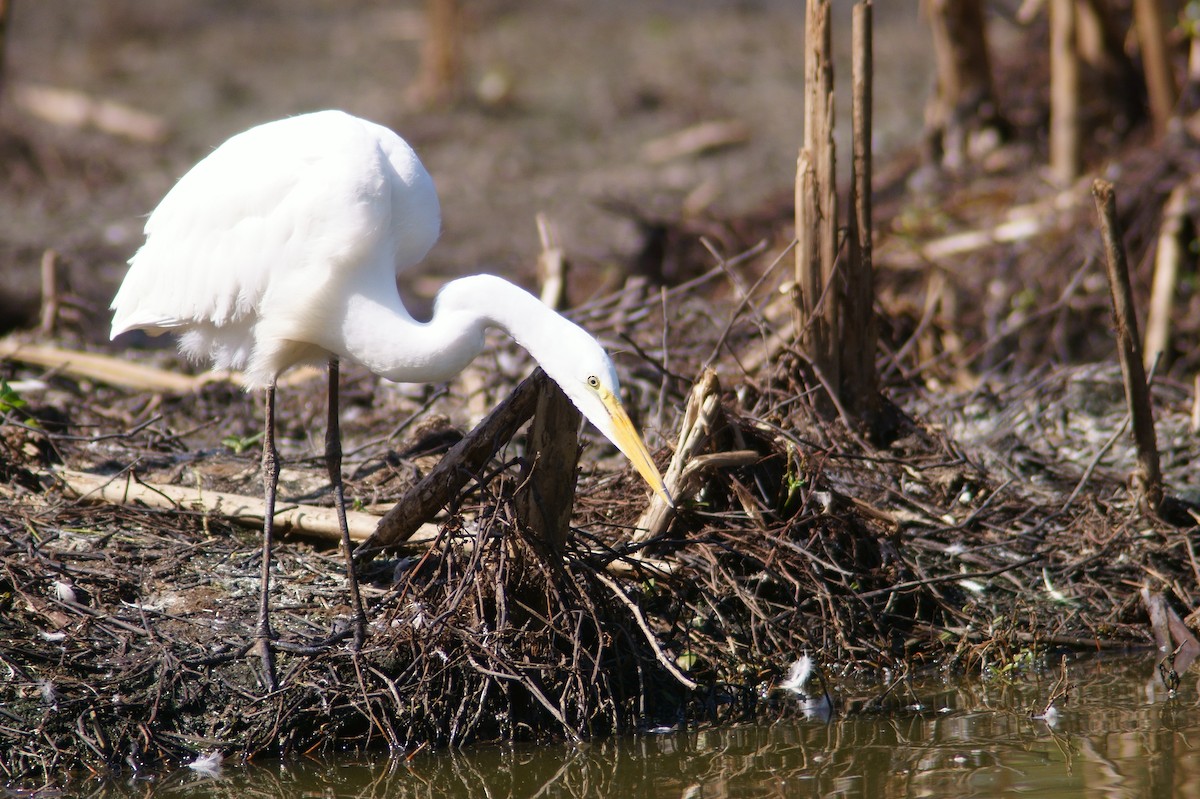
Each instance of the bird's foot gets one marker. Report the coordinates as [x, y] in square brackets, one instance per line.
[360, 633]
[266, 652]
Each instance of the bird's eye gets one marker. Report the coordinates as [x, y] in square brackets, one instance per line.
[593, 381]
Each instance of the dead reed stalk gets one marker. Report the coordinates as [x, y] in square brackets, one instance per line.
[1147, 478]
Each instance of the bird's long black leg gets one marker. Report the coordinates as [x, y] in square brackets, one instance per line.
[270, 468]
[333, 461]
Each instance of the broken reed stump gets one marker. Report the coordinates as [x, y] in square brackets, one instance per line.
[699, 419]
[464, 460]
[1152, 33]
[859, 384]
[816, 200]
[1064, 92]
[1147, 477]
[834, 302]
[1173, 239]
[440, 72]
[963, 104]
[547, 493]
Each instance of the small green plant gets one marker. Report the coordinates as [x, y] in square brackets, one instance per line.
[11, 401]
[239, 444]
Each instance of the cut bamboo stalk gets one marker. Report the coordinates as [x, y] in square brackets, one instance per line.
[1167, 261]
[1147, 476]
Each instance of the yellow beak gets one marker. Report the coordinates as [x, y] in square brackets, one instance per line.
[630, 443]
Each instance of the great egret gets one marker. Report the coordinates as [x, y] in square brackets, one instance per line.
[282, 247]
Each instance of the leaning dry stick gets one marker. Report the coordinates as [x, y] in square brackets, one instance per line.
[1147, 478]
[455, 470]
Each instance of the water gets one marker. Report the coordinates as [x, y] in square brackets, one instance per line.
[1119, 733]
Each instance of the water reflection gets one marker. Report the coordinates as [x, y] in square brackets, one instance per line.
[1118, 734]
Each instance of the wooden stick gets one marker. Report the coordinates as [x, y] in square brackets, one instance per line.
[1147, 477]
[455, 470]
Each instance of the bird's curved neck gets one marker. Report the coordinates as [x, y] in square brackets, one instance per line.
[379, 333]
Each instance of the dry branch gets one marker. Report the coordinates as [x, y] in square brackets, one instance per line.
[456, 468]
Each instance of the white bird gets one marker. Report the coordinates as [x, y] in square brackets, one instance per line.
[282, 247]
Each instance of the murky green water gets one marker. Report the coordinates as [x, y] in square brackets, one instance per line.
[1119, 734]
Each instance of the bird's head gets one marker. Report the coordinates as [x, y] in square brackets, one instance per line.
[581, 367]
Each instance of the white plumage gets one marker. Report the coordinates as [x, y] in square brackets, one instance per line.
[282, 247]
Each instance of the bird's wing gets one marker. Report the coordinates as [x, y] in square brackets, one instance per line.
[306, 193]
